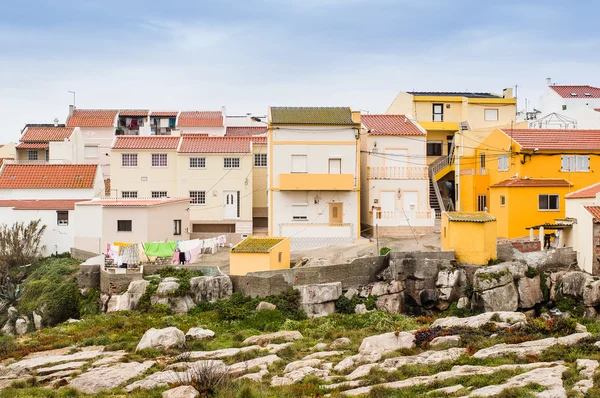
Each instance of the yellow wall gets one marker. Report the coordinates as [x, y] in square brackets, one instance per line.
[259, 180]
[472, 242]
[242, 263]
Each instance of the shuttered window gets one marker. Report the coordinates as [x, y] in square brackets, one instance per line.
[578, 163]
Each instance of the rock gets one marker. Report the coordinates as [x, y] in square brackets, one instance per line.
[164, 339]
[503, 298]
[263, 305]
[268, 338]
[157, 379]
[448, 341]
[357, 359]
[477, 321]
[290, 367]
[530, 313]
[37, 360]
[298, 375]
[386, 342]
[379, 288]
[517, 269]
[447, 390]
[322, 354]
[579, 328]
[451, 284]
[550, 378]
[463, 302]
[166, 287]
[37, 320]
[57, 368]
[442, 305]
[108, 377]
[588, 368]
[491, 277]
[171, 279]
[21, 326]
[591, 294]
[12, 313]
[318, 310]
[574, 282]
[110, 358]
[211, 288]
[319, 347]
[535, 347]
[181, 305]
[360, 309]
[318, 299]
[391, 303]
[199, 334]
[229, 352]
[590, 313]
[181, 392]
[339, 343]
[256, 377]
[8, 328]
[129, 300]
[530, 292]
[352, 292]
[597, 344]
[238, 369]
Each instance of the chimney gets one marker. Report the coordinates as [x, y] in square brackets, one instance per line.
[507, 93]
[548, 81]
[224, 111]
[71, 110]
[56, 122]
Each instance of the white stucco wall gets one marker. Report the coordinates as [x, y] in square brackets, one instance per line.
[580, 109]
[581, 236]
[101, 137]
[87, 228]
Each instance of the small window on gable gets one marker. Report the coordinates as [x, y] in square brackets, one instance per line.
[62, 218]
[502, 200]
[564, 107]
[124, 226]
[491, 114]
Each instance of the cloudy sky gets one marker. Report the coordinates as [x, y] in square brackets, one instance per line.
[249, 54]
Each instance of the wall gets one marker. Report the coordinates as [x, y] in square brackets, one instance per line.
[8, 150]
[260, 191]
[473, 243]
[87, 229]
[139, 222]
[111, 283]
[161, 225]
[581, 237]
[243, 263]
[476, 114]
[211, 131]
[580, 109]
[402, 104]
[156, 178]
[101, 137]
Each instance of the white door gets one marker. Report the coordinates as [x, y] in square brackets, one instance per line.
[230, 205]
[411, 200]
[388, 201]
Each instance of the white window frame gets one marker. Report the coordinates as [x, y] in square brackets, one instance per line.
[198, 197]
[329, 165]
[548, 195]
[159, 194]
[487, 115]
[86, 150]
[129, 194]
[31, 153]
[299, 157]
[502, 162]
[231, 163]
[575, 163]
[197, 163]
[159, 160]
[129, 160]
[299, 211]
[260, 160]
[59, 221]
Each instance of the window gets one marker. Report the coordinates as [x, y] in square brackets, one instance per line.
[335, 166]
[124, 226]
[502, 200]
[481, 202]
[62, 218]
[129, 194]
[279, 256]
[434, 148]
[158, 194]
[260, 160]
[299, 164]
[159, 160]
[176, 227]
[90, 151]
[575, 163]
[564, 107]
[129, 160]
[198, 197]
[438, 112]
[197, 163]
[503, 163]
[231, 163]
[299, 211]
[482, 160]
[490, 114]
[548, 202]
[32, 155]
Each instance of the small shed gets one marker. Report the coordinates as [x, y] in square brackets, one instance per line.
[259, 253]
[472, 236]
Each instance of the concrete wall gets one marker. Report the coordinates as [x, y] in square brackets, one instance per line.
[111, 283]
[82, 255]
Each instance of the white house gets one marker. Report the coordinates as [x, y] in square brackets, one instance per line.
[394, 177]
[569, 107]
[314, 184]
[584, 207]
[57, 144]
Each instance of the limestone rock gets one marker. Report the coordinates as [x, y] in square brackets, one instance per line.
[386, 342]
[360, 309]
[130, 299]
[37, 360]
[318, 299]
[108, 377]
[351, 293]
[447, 390]
[238, 369]
[199, 334]
[574, 283]
[339, 343]
[181, 305]
[318, 310]
[379, 288]
[448, 341]
[37, 320]
[166, 287]
[263, 305]
[157, 379]
[491, 277]
[12, 313]
[502, 298]
[298, 375]
[530, 292]
[268, 338]
[477, 321]
[322, 354]
[290, 367]
[451, 284]
[517, 269]
[21, 326]
[8, 328]
[181, 392]
[211, 288]
[391, 303]
[463, 302]
[164, 339]
[171, 279]
[57, 368]
[591, 294]
[319, 347]
[535, 347]
[587, 369]
[550, 378]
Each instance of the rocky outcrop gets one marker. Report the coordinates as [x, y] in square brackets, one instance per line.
[129, 300]
[21, 326]
[199, 334]
[319, 299]
[451, 284]
[494, 290]
[263, 305]
[340, 343]
[211, 288]
[161, 339]
[387, 342]
[529, 291]
[506, 319]
[269, 338]
[535, 347]
[108, 377]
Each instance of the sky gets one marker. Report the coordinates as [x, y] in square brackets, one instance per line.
[251, 54]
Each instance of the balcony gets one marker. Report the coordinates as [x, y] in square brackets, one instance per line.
[415, 218]
[316, 182]
[397, 173]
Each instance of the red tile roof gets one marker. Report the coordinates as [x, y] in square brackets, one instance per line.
[245, 131]
[259, 140]
[390, 125]
[33, 145]
[579, 91]
[555, 139]
[46, 134]
[48, 176]
[585, 193]
[192, 144]
[41, 204]
[164, 113]
[92, 118]
[3, 159]
[145, 142]
[200, 119]
[132, 202]
[133, 112]
[594, 211]
[532, 182]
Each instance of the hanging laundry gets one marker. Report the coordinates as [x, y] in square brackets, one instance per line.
[188, 245]
[142, 256]
[221, 240]
[195, 253]
[122, 244]
[160, 249]
[181, 258]
[175, 258]
[130, 254]
[188, 256]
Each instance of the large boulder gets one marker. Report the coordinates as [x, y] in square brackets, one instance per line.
[530, 292]
[21, 325]
[108, 377]
[387, 342]
[181, 392]
[263, 305]
[591, 293]
[265, 339]
[166, 288]
[37, 320]
[211, 288]
[491, 277]
[162, 339]
[391, 303]
[451, 284]
[319, 299]
[129, 300]
[199, 334]
[494, 289]
[574, 283]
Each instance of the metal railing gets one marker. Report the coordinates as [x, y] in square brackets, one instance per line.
[439, 164]
[397, 172]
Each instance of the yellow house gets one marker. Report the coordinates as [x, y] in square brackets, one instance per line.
[259, 253]
[472, 236]
[523, 175]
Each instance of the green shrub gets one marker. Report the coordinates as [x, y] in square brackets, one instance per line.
[531, 272]
[7, 344]
[144, 303]
[90, 303]
[569, 304]
[370, 302]
[184, 276]
[161, 309]
[344, 305]
[384, 250]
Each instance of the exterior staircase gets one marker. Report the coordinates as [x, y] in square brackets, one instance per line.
[434, 203]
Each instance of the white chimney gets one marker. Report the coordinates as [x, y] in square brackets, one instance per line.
[224, 111]
[71, 109]
[548, 81]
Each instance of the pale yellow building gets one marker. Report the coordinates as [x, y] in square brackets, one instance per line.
[262, 253]
[472, 236]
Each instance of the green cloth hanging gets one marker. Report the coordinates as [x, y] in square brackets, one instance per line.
[160, 249]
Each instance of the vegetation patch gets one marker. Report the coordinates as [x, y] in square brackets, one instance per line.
[344, 305]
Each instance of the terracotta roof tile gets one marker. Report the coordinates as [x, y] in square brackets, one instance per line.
[145, 142]
[45, 134]
[164, 113]
[579, 91]
[133, 113]
[33, 145]
[48, 176]
[470, 217]
[42, 204]
[132, 202]
[532, 182]
[555, 139]
[200, 119]
[235, 131]
[255, 244]
[193, 144]
[391, 125]
[594, 211]
[3, 159]
[585, 193]
[92, 118]
[311, 115]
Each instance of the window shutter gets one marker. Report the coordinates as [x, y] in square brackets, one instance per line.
[565, 163]
[586, 163]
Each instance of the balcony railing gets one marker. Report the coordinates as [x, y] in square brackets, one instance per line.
[396, 173]
[401, 214]
[39, 161]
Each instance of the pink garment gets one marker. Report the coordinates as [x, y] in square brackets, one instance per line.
[195, 253]
[175, 258]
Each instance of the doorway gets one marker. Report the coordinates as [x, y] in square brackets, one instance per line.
[336, 215]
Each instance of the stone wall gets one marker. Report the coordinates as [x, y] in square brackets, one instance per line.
[82, 255]
[111, 283]
[526, 246]
[207, 270]
[404, 231]
[89, 276]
